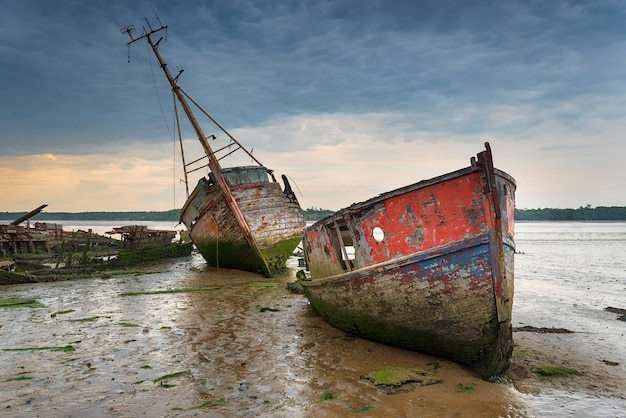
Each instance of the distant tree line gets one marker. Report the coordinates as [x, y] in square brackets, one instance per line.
[587, 213]
[314, 214]
[311, 214]
[170, 215]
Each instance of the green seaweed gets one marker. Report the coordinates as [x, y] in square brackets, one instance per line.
[20, 303]
[211, 404]
[396, 376]
[62, 312]
[467, 388]
[127, 324]
[170, 291]
[328, 395]
[172, 376]
[550, 372]
[14, 379]
[609, 362]
[388, 376]
[67, 348]
[88, 319]
[263, 284]
[361, 409]
[64, 348]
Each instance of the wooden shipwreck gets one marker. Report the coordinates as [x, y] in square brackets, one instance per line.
[140, 237]
[45, 251]
[427, 267]
[18, 239]
[237, 217]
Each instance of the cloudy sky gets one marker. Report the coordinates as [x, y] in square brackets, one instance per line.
[348, 98]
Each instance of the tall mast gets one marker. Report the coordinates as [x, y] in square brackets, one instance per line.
[213, 162]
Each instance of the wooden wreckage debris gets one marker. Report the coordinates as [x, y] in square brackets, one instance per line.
[18, 239]
[139, 237]
[46, 252]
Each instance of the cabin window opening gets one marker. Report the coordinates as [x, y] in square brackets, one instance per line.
[239, 176]
[343, 244]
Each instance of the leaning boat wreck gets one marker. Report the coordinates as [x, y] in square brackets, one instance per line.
[236, 217]
[427, 267]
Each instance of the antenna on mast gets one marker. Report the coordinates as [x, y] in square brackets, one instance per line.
[129, 31]
[146, 33]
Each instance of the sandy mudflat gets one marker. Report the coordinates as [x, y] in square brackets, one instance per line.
[599, 376]
[236, 344]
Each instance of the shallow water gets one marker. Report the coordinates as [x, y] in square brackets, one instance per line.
[566, 273]
[245, 346]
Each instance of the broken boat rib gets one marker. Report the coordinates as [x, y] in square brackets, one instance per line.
[235, 216]
[427, 267]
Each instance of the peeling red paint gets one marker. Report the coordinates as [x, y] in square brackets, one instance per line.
[428, 218]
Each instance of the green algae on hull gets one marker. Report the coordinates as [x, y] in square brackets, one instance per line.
[472, 353]
[240, 256]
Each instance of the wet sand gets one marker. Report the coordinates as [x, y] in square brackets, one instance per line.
[236, 344]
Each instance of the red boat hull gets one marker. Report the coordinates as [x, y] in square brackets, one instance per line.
[428, 267]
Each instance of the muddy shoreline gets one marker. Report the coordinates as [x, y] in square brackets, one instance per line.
[598, 376]
[186, 340]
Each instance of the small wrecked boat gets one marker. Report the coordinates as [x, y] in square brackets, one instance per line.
[236, 217]
[46, 252]
[16, 238]
[427, 267]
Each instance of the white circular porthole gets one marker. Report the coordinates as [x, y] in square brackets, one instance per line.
[378, 234]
